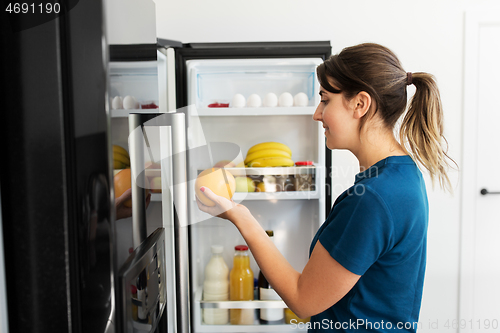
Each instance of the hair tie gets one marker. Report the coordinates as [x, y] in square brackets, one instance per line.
[408, 78]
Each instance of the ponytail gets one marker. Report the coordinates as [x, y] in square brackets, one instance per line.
[421, 132]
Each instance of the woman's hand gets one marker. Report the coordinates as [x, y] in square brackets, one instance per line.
[224, 208]
[121, 210]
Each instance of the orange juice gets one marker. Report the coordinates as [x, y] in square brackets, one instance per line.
[241, 286]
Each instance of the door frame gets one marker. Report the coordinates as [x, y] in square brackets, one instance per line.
[474, 20]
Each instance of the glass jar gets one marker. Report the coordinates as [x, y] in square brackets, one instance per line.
[289, 184]
[304, 180]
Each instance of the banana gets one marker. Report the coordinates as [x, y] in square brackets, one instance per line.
[271, 162]
[269, 145]
[120, 150]
[266, 153]
[121, 158]
[118, 165]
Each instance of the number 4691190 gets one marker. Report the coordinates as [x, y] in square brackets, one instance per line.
[24, 8]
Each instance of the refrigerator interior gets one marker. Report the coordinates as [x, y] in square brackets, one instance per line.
[140, 80]
[229, 132]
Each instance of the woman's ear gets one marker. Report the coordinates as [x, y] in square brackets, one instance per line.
[362, 102]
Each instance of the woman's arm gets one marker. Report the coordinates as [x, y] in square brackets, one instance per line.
[323, 281]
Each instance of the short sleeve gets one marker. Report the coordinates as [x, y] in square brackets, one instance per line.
[359, 231]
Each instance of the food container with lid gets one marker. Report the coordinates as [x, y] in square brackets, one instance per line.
[304, 178]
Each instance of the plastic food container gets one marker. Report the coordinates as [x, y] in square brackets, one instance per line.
[304, 178]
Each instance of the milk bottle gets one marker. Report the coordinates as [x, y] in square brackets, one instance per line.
[216, 287]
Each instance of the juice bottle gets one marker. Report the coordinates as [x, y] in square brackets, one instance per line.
[241, 286]
[216, 287]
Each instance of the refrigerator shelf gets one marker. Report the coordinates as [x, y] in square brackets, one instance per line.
[266, 196]
[124, 113]
[260, 111]
[271, 171]
[255, 304]
[290, 195]
[251, 328]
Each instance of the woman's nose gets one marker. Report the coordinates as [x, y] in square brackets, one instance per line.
[317, 113]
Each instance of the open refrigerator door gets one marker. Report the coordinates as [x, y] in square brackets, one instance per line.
[145, 246]
[226, 117]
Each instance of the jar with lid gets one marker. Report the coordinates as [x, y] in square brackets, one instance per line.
[304, 180]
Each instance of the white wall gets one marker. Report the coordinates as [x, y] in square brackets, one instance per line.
[427, 35]
[130, 21]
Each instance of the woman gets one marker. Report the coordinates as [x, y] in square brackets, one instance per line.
[367, 261]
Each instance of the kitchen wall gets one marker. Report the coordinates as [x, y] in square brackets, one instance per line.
[427, 35]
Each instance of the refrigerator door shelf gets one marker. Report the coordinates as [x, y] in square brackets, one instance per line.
[261, 111]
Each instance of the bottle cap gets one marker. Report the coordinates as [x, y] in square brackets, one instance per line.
[133, 289]
[217, 249]
[270, 233]
[241, 248]
[303, 163]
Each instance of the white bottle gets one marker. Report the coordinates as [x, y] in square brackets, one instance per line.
[216, 287]
[266, 292]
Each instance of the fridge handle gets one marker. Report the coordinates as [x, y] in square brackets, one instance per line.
[139, 227]
[180, 181]
[166, 80]
[172, 104]
[178, 160]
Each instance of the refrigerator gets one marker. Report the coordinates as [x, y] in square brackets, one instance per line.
[68, 263]
[193, 126]
[55, 180]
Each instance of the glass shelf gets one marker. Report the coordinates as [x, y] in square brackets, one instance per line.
[260, 111]
[120, 113]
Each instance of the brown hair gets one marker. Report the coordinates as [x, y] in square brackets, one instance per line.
[376, 70]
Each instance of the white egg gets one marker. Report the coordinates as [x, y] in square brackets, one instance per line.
[286, 99]
[254, 101]
[300, 99]
[117, 103]
[270, 100]
[129, 102]
[238, 101]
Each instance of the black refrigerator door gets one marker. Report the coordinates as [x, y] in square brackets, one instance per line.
[252, 50]
[55, 175]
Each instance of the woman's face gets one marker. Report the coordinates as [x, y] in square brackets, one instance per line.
[336, 114]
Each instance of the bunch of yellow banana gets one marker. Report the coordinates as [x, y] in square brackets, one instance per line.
[269, 154]
[121, 159]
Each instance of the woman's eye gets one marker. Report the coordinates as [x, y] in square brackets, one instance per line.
[324, 101]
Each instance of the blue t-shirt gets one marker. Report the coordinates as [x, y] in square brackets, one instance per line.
[378, 229]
